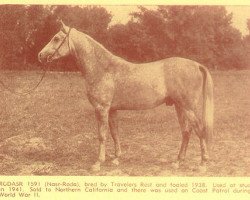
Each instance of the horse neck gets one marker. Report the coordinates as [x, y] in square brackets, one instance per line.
[92, 57]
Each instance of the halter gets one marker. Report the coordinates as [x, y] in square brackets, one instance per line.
[43, 75]
[57, 49]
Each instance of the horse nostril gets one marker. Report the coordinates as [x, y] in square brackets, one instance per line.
[40, 57]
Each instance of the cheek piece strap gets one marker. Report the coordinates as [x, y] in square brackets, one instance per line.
[57, 49]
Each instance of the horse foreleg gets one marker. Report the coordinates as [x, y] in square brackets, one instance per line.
[113, 125]
[102, 120]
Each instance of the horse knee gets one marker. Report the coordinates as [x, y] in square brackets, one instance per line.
[102, 138]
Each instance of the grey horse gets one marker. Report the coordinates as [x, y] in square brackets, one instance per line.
[115, 84]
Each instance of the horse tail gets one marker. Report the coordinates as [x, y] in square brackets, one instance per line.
[208, 105]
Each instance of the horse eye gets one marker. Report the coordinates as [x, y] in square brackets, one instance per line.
[56, 39]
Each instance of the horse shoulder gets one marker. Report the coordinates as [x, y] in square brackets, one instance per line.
[101, 91]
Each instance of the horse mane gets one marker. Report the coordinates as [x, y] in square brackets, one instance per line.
[101, 57]
[98, 44]
[100, 49]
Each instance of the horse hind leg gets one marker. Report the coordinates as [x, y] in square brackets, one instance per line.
[190, 123]
[204, 150]
[185, 130]
[203, 146]
[199, 130]
[113, 125]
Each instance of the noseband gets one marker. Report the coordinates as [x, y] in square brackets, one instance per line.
[57, 49]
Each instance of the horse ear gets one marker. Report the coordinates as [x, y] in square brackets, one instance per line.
[64, 28]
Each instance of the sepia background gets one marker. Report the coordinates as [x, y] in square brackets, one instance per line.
[52, 131]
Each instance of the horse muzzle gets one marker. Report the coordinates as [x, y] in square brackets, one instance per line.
[44, 58]
[41, 57]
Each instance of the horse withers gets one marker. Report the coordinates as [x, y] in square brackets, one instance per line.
[113, 84]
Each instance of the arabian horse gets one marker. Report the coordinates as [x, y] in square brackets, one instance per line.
[113, 83]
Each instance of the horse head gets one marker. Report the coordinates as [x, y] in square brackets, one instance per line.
[59, 46]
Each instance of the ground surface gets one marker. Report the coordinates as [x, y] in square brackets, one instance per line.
[53, 131]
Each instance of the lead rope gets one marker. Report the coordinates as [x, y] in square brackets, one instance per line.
[26, 92]
[42, 77]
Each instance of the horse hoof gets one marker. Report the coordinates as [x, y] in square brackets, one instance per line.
[175, 165]
[116, 162]
[96, 167]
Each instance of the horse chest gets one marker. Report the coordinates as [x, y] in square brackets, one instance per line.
[100, 92]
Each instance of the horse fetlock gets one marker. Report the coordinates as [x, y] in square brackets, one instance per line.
[202, 167]
[205, 158]
[181, 157]
[115, 161]
[102, 139]
[102, 157]
[118, 152]
[96, 167]
[102, 154]
[204, 155]
[175, 165]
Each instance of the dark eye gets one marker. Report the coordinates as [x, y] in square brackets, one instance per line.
[56, 39]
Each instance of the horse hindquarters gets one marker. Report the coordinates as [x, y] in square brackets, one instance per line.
[187, 112]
